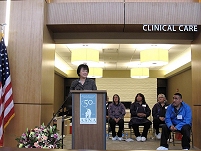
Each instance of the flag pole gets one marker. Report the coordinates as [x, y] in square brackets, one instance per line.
[2, 30]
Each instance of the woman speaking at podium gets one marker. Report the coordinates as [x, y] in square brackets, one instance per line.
[82, 83]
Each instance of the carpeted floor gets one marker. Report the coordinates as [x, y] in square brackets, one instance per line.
[150, 144]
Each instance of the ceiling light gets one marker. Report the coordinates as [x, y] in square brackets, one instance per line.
[85, 55]
[154, 57]
[95, 73]
[139, 73]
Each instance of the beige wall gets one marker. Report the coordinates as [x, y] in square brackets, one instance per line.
[3, 12]
[183, 84]
[119, 74]
[58, 91]
[127, 88]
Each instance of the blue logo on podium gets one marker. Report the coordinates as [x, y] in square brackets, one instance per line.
[88, 108]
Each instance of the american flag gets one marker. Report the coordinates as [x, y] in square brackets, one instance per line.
[6, 94]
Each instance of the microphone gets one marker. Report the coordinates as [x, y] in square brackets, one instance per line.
[79, 87]
[75, 85]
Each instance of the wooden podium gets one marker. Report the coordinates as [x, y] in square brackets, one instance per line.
[89, 132]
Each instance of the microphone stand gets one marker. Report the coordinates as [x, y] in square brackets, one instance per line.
[54, 115]
[62, 129]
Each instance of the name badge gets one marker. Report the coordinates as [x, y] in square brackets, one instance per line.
[166, 107]
[179, 117]
[143, 105]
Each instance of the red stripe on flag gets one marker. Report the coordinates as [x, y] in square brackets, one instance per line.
[8, 87]
[1, 142]
[9, 117]
[10, 99]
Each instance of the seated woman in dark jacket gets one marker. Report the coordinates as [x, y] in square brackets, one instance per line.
[158, 113]
[116, 113]
[139, 112]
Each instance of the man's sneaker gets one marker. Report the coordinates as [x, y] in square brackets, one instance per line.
[158, 136]
[162, 148]
[185, 149]
[139, 138]
[119, 138]
[143, 139]
[114, 138]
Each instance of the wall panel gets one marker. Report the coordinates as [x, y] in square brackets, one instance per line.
[31, 56]
[181, 83]
[25, 54]
[25, 50]
[58, 92]
[163, 13]
[196, 87]
[3, 12]
[47, 68]
[85, 13]
[196, 126]
[161, 0]
[65, 1]
[46, 113]
[196, 70]
[135, 13]
[26, 116]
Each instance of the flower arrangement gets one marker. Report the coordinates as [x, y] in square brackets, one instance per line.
[40, 137]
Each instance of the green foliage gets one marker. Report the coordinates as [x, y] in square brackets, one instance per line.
[40, 137]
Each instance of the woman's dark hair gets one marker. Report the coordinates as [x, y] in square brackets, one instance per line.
[84, 66]
[117, 96]
[143, 98]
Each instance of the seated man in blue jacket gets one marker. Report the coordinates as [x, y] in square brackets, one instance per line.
[178, 118]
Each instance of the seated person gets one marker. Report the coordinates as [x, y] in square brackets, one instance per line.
[139, 112]
[107, 117]
[178, 118]
[158, 113]
[107, 105]
[116, 112]
[55, 122]
[63, 112]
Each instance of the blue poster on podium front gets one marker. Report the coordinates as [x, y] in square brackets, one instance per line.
[88, 108]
